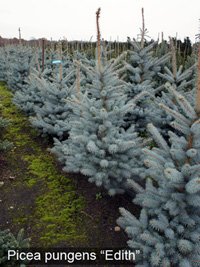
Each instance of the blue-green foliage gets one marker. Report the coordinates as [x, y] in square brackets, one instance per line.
[31, 96]
[182, 79]
[9, 241]
[161, 49]
[142, 66]
[52, 113]
[98, 146]
[27, 99]
[45, 97]
[141, 70]
[168, 229]
[2, 64]
[18, 66]
[191, 60]
[90, 62]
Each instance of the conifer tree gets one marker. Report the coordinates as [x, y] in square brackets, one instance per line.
[168, 229]
[51, 115]
[162, 48]
[98, 146]
[179, 77]
[44, 98]
[2, 64]
[89, 62]
[27, 99]
[141, 70]
[18, 69]
[33, 96]
[182, 79]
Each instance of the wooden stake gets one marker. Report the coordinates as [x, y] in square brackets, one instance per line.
[174, 63]
[60, 57]
[117, 45]
[143, 29]
[43, 52]
[162, 37]
[38, 64]
[98, 38]
[20, 39]
[198, 86]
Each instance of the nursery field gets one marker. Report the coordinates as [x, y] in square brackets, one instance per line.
[101, 149]
[55, 209]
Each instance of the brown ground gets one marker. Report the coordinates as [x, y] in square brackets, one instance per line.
[17, 200]
[101, 214]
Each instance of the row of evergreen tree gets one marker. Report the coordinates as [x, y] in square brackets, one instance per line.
[120, 124]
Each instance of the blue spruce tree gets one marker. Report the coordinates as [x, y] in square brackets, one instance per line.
[141, 70]
[2, 64]
[182, 79]
[168, 229]
[98, 146]
[162, 48]
[179, 77]
[31, 96]
[51, 115]
[18, 69]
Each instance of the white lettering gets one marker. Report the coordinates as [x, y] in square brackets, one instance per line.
[11, 253]
[109, 253]
[93, 256]
[22, 256]
[48, 256]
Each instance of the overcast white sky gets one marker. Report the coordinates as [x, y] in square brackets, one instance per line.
[75, 19]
